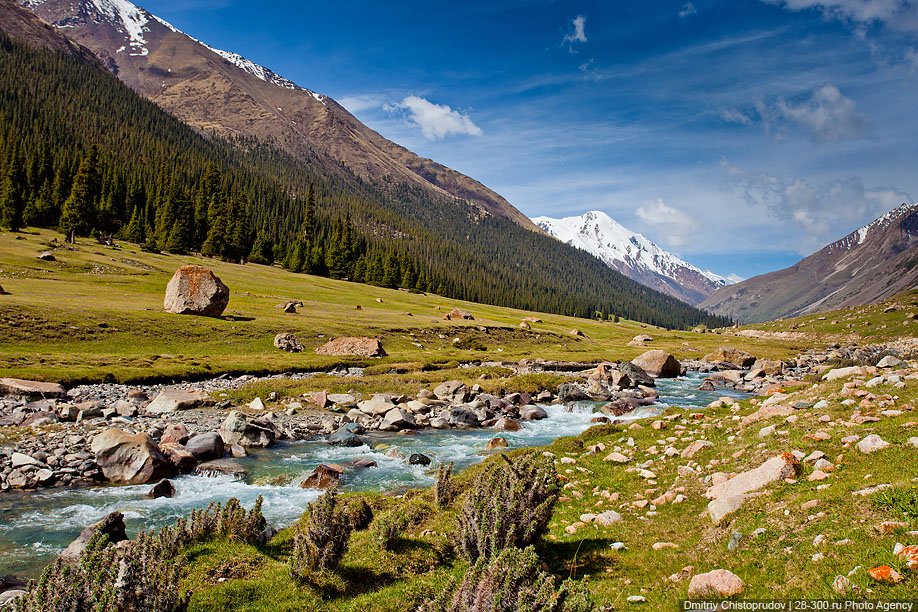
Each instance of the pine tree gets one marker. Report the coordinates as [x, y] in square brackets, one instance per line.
[180, 237]
[210, 184]
[79, 209]
[262, 249]
[13, 195]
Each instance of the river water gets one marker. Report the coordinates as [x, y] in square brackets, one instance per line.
[34, 527]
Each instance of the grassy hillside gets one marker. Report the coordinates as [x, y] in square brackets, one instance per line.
[97, 312]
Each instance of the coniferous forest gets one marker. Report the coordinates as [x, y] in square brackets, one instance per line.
[80, 152]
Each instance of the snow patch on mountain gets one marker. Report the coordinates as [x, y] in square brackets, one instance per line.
[617, 246]
[134, 21]
[859, 236]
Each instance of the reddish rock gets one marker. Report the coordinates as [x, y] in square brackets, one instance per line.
[459, 315]
[179, 456]
[325, 476]
[196, 290]
[907, 554]
[357, 347]
[174, 434]
[884, 573]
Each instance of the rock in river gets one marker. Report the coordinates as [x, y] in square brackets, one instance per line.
[129, 458]
[658, 363]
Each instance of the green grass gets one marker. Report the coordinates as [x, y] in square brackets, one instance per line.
[857, 323]
[776, 564]
[96, 313]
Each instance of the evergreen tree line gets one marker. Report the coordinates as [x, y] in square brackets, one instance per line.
[82, 153]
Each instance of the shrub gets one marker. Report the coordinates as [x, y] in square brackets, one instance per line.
[230, 521]
[510, 505]
[136, 576]
[321, 538]
[509, 582]
[387, 529]
[445, 488]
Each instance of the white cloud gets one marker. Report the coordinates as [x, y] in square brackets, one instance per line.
[688, 9]
[822, 212]
[579, 33]
[826, 115]
[734, 115]
[362, 102]
[896, 14]
[673, 226]
[437, 121]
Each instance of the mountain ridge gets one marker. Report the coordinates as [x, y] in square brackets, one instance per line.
[222, 92]
[634, 255]
[866, 266]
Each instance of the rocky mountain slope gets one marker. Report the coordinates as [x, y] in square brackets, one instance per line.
[222, 92]
[634, 255]
[866, 266]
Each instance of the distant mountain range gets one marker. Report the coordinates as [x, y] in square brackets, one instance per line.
[868, 265]
[634, 255]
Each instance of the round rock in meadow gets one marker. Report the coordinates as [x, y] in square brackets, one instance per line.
[196, 290]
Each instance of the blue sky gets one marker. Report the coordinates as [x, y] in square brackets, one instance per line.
[740, 134]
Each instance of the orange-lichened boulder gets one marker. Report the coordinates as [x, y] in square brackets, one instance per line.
[196, 290]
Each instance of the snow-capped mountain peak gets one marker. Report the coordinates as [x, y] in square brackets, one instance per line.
[134, 23]
[634, 255]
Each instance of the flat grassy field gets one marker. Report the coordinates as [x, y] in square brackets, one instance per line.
[96, 313]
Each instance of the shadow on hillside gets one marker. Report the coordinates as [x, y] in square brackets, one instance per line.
[576, 558]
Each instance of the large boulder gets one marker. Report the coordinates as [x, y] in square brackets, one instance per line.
[345, 437]
[174, 399]
[397, 419]
[726, 354]
[129, 458]
[236, 429]
[206, 446]
[356, 347]
[658, 364]
[452, 391]
[182, 460]
[459, 315]
[196, 290]
[112, 529]
[775, 469]
[30, 388]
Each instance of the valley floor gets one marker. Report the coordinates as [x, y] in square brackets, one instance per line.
[96, 313]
